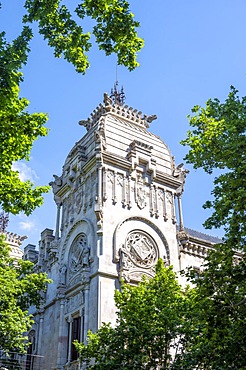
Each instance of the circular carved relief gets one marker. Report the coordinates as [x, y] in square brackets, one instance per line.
[141, 249]
[79, 254]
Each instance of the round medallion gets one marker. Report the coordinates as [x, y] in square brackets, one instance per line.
[141, 249]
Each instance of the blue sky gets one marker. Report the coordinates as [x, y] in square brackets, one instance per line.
[194, 50]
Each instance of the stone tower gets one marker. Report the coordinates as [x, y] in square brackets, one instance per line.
[115, 218]
[13, 240]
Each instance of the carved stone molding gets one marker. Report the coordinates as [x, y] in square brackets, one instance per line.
[195, 250]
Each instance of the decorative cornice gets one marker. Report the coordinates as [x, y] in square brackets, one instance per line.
[194, 249]
[193, 246]
[122, 111]
[14, 239]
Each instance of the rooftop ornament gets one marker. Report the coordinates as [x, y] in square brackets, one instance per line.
[4, 220]
[117, 95]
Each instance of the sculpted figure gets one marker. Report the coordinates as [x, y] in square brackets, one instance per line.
[62, 277]
[85, 256]
[122, 258]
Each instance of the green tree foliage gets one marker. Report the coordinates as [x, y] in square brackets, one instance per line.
[218, 141]
[114, 30]
[19, 129]
[218, 336]
[151, 327]
[20, 288]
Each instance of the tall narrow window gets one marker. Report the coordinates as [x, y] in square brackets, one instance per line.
[76, 328]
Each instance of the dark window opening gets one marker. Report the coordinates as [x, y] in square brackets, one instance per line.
[29, 358]
[76, 328]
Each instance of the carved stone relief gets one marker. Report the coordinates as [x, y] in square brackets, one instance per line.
[81, 278]
[138, 186]
[140, 249]
[79, 200]
[93, 184]
[152, 237]
[111, 181]
[68, 208]
[138, 256]
[117, 187]
[86, 192]
[137, 275]
[62, 275]
[120, 179]
[154, 205]
[74, 302]
[170, 205]
[81, 227]
[79, 254]
[162, 201]
[110, 176]
[169, 197]
[140, 192]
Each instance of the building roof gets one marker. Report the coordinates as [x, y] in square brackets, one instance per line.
[203, 236]
[115, 126]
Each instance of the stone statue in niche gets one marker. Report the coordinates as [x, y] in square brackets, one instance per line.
[123, 258]
[79, 254]
[85, 256]
[62, 276]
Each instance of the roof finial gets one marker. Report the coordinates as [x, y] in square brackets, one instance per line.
[4, 220]
[117, 96]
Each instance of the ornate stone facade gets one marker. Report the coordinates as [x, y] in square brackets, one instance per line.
[116, 216]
